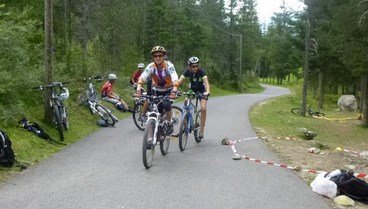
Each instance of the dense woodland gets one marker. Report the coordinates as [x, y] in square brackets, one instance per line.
[92, 37]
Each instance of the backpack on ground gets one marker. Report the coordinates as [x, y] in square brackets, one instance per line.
[351, 186]
[34, 128]
[7, 156]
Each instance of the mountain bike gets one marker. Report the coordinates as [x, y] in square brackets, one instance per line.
[140, 117]
[190, 120]
[91, 100]
[309, 111]
[59, 93]
[155, 130]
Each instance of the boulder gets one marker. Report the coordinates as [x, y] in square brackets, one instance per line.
[347, 103]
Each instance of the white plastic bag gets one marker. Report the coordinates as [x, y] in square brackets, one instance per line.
[324, 186]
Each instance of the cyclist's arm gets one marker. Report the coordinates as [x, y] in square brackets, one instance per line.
[206, 84]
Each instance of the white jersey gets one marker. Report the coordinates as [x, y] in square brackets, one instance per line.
[162, 78]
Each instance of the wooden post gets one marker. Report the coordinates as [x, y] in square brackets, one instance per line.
[48, 58]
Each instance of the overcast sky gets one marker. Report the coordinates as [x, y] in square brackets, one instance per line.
[266, 8]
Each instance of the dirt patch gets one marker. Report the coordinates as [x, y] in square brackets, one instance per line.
[294, 152]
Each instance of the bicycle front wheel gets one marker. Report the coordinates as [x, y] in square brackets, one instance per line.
[197, 126]
[176, 115]
[184, 132]
[137, 116]
[105, 114]
[296, 111]
[57, 121]
[164, 144]
[148, 149]
[65, 119]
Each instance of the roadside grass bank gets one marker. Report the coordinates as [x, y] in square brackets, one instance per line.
[30, 149]
[273, 118]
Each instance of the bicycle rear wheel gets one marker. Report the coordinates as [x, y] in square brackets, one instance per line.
[105, 114]
[319, 114]
[197, 126]
[296, 111]
[176, 116]
[148, 149]
[57, 121]
[164, 144]
[184, 132]
[137, 116]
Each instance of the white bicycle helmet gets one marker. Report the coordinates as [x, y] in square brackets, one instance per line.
[65, 95]
[112, 77]
[140, 65]
[193, 60]
[158, 49]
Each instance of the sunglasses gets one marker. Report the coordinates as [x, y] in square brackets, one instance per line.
[158, 56]
[194, 66]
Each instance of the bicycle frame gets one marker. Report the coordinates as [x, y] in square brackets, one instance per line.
[191, 109]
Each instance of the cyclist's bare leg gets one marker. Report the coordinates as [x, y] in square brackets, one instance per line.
[145, 107]
[203, 115]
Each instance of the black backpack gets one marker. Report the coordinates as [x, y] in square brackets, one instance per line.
[351, 186]
[7, 157]
[34, 128]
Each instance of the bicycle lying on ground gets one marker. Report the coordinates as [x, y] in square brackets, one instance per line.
[90, 99]
[309, 111]
[140, 116]
[190, 121]
[156, 130]
[59, 94]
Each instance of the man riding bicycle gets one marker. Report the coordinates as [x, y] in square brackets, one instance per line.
[199, 84]
[164, 81]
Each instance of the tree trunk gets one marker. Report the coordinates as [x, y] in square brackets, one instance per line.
[48, 58]
[306, 66]
[321, 87]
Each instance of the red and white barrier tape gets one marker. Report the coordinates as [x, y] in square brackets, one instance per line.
[232, 144]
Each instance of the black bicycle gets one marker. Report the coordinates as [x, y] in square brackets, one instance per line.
[59, 93]
[91, 100]
[140, 116]
[156, 130]
[309, 111]
[190, 121]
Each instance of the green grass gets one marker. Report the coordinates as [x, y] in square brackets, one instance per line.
[275, 118]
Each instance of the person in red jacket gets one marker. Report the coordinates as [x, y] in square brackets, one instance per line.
[110, 96]
[137, 74]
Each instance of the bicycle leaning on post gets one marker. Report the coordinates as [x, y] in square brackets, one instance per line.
[190, 120]
[309, 111]
[59, 93]
[91, 100]
[155, 130]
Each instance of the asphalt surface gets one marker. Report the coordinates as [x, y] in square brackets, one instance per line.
[105, 170]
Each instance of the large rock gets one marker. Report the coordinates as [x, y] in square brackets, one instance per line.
[347, 103]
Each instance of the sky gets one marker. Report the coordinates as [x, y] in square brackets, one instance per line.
[266, 8]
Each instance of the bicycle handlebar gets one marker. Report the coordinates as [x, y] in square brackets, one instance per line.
[97, 78]
[51, 85]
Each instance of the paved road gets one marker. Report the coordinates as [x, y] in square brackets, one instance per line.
[105, 170]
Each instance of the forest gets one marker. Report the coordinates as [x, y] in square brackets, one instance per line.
[326, 45]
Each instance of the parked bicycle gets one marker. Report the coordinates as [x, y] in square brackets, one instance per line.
[59, 93]
[140, 116]
[91, 100]
[190, 121]
[309, 111]
[155, 130]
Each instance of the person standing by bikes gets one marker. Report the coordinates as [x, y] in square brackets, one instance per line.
[199, 84]
[164, 80]
[110, 96]
[136, 74]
